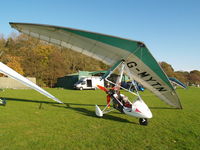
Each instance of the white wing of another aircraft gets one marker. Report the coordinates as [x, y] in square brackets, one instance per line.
[13, 74]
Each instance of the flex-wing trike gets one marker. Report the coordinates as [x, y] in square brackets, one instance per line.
[120, 102]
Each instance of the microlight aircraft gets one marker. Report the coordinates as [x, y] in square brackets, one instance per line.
[138, 62]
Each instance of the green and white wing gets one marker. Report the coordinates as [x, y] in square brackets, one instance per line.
[109, 49]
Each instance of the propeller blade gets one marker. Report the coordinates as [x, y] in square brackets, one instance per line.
[102, 88]
[108, 101]
[108, 96]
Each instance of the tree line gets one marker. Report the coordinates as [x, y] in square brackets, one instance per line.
[34, 58]
[188, 78]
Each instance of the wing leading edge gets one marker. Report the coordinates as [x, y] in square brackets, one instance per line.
[109, 49]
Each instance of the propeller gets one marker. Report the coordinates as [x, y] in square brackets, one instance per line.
[107, 92]
[102, 88]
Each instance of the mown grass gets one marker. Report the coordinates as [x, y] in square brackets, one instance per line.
[31, 121]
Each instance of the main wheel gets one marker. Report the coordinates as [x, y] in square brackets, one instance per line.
[143, 121]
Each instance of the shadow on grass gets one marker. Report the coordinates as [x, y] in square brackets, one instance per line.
[90, 113]
[81, 110]
[45, 102]
[67, 104]
[27, 100]
[162, 108]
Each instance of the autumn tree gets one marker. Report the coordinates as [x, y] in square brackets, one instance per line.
[167, 69]
[14, 62]
[195, 77]
[32, 57]
[183, 76]
[45, 61]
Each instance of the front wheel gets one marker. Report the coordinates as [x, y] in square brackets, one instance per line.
[143, 121]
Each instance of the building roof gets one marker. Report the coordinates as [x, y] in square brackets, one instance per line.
[86, 73]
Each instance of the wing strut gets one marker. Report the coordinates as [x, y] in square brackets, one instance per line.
[112, 69]
[117, 84]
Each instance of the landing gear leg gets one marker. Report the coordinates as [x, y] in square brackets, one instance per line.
[143, 121]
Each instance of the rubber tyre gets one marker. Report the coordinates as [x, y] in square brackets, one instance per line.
[81, 88]
[143, 121]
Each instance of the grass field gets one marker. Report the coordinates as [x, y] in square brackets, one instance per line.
[32, 121]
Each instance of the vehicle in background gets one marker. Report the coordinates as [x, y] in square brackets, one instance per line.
[132, 85]
[88, 83]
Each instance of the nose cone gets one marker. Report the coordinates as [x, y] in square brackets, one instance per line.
[142, 109]
[147, 113]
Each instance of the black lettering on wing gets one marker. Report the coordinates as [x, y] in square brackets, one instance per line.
[132, 64]
[161, 89]
[143, 74]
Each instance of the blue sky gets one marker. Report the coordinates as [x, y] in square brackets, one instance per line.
[169, 28]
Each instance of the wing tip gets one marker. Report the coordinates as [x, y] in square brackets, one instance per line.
[57, 100]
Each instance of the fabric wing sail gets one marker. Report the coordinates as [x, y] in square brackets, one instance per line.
[109, 49]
